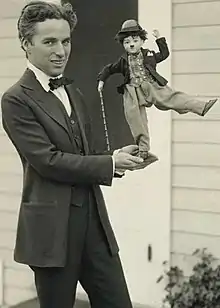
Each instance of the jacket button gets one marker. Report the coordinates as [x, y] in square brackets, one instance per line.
[72, 121]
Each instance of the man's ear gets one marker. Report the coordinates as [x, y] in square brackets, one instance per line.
[25, 45]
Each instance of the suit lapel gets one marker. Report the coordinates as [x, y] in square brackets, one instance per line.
[75, 101]
[45, 100]
[52, 105]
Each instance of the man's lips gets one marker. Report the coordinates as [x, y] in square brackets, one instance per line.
[58, 62]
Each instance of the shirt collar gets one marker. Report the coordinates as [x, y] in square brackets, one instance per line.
[41, 76]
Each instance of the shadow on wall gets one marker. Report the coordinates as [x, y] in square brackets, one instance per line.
[94, 46]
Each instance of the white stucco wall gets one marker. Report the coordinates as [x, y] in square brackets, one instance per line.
[195, 140]
[17, 279]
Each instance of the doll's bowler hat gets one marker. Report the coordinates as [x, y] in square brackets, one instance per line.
[129, 25]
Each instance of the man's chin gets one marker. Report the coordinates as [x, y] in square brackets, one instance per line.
[56, 71]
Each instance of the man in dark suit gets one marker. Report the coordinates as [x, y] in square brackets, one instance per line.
[63, 233]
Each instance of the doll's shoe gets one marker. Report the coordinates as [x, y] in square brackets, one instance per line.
[143, 154]
[209, 105]
[151, 158]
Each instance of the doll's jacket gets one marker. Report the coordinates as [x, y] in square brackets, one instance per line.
[151, 58]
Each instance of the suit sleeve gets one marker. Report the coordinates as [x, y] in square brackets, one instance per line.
[33, 144]
[163, 50]
[110, 69]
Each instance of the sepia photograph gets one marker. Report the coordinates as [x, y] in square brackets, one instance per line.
[110, 154]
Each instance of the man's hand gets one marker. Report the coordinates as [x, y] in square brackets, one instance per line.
[156, 33]
[125, 161]
[100, 86]
[130, 149]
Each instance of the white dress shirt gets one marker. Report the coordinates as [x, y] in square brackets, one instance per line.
[59, 92]
[44, 81]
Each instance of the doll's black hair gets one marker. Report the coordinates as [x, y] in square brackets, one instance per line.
[122, 35]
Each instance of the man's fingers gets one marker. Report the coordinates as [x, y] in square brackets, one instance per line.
[130, 149]
[133, 162]
[125, 160]
[136, 159]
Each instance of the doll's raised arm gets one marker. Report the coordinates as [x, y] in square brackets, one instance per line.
[163, 50]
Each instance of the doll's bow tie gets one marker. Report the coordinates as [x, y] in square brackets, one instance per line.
[55, 83]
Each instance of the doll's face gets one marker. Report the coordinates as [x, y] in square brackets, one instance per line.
[133, 44]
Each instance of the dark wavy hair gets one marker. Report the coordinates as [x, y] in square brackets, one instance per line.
[122, 35]
[39, 11]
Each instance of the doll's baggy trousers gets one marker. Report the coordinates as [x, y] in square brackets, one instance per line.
[136, 99]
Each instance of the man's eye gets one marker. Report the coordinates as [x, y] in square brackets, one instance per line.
[49, 43]
[67, 42]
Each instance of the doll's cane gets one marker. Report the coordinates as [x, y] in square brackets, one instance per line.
[104, 121]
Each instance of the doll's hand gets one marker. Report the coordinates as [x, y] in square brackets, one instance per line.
[156, 33]
[100, 86]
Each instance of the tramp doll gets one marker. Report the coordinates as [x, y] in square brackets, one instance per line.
[143, 86]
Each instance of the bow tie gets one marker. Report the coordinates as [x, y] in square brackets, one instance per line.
[55, 83]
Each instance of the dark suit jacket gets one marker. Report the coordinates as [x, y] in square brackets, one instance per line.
[151, 58]
[54, 172]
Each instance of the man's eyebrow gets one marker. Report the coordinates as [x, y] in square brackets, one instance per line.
[55, 38]
[67, 38]
[48, 38]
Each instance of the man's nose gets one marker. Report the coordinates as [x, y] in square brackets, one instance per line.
[60, 49]
[132, 45]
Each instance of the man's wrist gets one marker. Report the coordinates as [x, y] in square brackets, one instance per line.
[118, 171]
